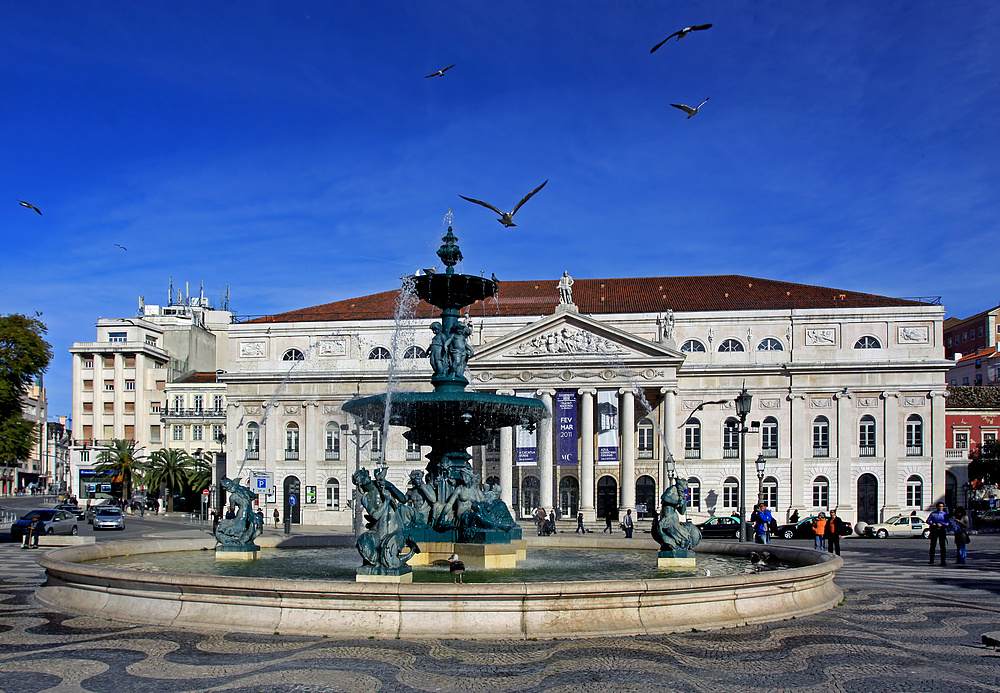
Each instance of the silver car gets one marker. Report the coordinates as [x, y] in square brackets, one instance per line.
[109, 517]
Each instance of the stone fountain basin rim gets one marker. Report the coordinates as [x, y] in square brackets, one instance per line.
[68, 560]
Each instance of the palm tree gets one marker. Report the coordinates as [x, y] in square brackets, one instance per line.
[169, 469]
[200, 471]
[122, 459]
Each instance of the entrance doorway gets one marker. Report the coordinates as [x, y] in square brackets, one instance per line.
[607, 495]
[293, 499]
[569, 496]
[530, 495]
[645, 496]
[868, 499]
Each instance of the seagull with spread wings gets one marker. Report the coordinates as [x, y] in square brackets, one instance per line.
[440, 72]
[681, 34]
[28, 205]
[122, 247]
[506, 218]
[692, 112]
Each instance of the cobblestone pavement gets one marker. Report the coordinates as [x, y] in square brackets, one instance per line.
[903, 626]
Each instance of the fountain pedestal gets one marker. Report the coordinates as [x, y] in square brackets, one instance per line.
[370, 573]
[678, 558]
[229, 552]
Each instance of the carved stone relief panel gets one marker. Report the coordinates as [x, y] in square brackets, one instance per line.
[292, 409]
[252, 410]
[770, 404]
[332, 347]
[567, 340]
[821, 336]
[913, 401]
[867, 402]
[915, 334]
[256, 349]
[330, 409]
[821, 403]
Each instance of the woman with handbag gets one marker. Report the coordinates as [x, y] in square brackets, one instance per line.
[961, 523]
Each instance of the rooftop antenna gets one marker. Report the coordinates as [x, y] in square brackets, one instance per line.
[170, 293]
[187, 293]
[201, 294]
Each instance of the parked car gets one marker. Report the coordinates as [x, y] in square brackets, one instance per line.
[71, 508]
[721, 527]
[899, 526]
[91, 509]
[51, 522]
[803, 529]
[108, 517]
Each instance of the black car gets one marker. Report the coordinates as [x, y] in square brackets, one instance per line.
[725, 527]
[803, 529]
[71, 508]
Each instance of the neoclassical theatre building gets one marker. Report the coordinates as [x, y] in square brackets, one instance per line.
[848, 389]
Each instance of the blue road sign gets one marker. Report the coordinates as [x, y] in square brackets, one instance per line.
[292, 499]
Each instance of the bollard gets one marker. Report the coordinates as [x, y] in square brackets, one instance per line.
[288, 525]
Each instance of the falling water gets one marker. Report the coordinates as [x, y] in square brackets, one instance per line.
[403, 337]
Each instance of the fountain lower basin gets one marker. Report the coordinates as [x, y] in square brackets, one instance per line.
[435, 610]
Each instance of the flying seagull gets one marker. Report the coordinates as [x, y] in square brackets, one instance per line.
[439, 72]
[692, 112]
[29, 206]
[700, 407]
[681, 34]
[507, 219]
[122, 247]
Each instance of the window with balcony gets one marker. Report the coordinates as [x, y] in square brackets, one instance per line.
[821, 437]
[199, 404]
[178, 403]
[217, 404]
[253, 441]
[333, 441]
[821, 492]
[866, 436]
[292, 441]
[412, 451]
[644, 439]
[692, 439]
[731, 439]
[769, 437]
[914, 436]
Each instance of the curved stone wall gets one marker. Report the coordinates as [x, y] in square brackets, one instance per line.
[491, 611]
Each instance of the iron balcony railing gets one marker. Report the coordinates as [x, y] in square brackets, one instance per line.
[730, 453]
[253, 454]
[291, 454]
[914, 450]
[866, 451]
[821, 452]
[769, 452]
[412, 455]
[192, 413]
[692, 453]
[333, 454]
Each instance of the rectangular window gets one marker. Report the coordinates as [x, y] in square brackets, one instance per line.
[88, 362]
[178, 403]
[178, 433]
[109, 432]
[196, 432]
[161, 384]
[154, 407]
[88, 385]
[109, 385]
[88, 432]
[109, 407]
[333, 497]
[694, 495]
[88, 407]
[130, 407]
[130, 433]
[129, 385]
[154, 434]
[151, 341]
[730, 496]
[376, 445]
[821, 495]
[218, 404]
[217, 433]
[914, 494]
[412, 451]
[962, 441]
[199, 403]
[989, 436]
[109, 361]
[117, 337]
[980, 331]
[130, 361]
[85, 455]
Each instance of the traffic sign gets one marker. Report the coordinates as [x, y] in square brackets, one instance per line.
[292, 499]
[205, 492]
[262, 482]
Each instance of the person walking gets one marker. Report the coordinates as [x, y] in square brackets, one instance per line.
[540, 520]
[627, 524]
[961, 523]
[763, 526]
[34, 527]
[939, 521]
[834, 528]
[819, 530]
[277, 518]
[580, 529]
[610, 516]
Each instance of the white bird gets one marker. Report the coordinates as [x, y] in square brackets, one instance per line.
[681, 34]
[692, 112]
[29, 206]
[506, 218]
[456, 567]
[439, 72]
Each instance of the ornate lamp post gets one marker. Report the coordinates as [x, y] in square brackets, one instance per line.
[761, 465]
[743, 403]
[355, 501]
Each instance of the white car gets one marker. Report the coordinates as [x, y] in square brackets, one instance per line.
[109, 517]
[899, 526]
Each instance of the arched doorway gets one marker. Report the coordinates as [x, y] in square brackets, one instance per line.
[951, 491]
[293, 499]
[530, 495]
[867, 499]
[645, 496]
[607, 495]
[569, 496]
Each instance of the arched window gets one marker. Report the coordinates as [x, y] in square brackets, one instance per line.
[694, 493]
[821, 492]
[692, 439]
[769, 492]
[821, 437]
[253, 441]
[914, 436]
[379, 354]
[731, 345]
[644, 440]
[731, 439]
[731, 493]
[414, 352]
[529, 495]
[292, 441]
[770, 344]
[867, 343]
[915, 492]
[692, 346]
[333, 441]
[866, 436]
[293, 355]
[332, 494]
[769, 437]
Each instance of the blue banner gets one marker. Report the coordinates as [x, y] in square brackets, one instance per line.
[566, 419]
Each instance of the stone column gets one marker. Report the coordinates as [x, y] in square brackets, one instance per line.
[587, 472]
[799, 447]
[507, 463]
[890, 436]
[310, 447]
[119, 395]
[545, 457]
[627, 475]
[846, 434]
[938, 444]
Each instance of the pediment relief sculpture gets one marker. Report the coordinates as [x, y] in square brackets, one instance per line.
[567, 340]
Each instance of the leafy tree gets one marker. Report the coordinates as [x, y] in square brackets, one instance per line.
[23, 356]
[122, 459]
[168, 468]
[984, 463]
[200, 472]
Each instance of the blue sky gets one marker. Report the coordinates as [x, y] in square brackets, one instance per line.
[294, 151]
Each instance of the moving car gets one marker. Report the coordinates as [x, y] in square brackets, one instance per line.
[108, 517]
[899, 526]
[91, 509]
[803, 529]
[724, 526]
[51, 522]
[72, 508]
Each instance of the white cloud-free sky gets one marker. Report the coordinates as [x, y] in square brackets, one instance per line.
[294, 151]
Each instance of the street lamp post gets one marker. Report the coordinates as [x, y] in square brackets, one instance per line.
[355, 495]
[761, 465]
[743, 402]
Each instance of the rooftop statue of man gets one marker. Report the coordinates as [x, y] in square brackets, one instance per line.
[566, 288]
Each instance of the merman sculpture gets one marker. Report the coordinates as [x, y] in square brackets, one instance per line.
[236, 534]
[386, 546]
[676, 538]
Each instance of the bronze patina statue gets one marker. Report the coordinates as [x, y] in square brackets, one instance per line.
[674, 536]
[237, 533]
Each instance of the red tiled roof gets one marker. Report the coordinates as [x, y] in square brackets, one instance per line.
[199, 377]
[622, 295]
[982, 353]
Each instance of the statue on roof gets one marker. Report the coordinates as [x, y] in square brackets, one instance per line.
[566, 288]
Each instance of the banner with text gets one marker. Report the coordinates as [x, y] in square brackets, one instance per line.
[607, 427]
[566, 428]
[526, 442]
